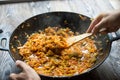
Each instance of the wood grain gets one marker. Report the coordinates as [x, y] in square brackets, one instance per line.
[11, 15]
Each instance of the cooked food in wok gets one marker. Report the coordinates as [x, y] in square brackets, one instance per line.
[47, 53]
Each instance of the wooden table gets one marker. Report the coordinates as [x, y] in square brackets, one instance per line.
[11, 15]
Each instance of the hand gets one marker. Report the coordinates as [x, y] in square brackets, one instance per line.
[105, 23]
[27, 74]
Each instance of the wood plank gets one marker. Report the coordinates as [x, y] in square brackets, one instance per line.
[11, 15]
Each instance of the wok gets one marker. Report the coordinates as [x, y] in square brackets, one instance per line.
[76, 22]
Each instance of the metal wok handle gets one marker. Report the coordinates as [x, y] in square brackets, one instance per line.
[114, 35]
[4, 38]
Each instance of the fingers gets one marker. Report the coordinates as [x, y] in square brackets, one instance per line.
[103, 31]
[100, 27]
[22, 65]
[21, 76]
[27, 72]
[94, 22]
[13, 76]
[110, 21]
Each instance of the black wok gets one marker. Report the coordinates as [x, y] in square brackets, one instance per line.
[76, 22]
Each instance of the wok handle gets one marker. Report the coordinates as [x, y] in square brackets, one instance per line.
[4, 40]
[114, 36]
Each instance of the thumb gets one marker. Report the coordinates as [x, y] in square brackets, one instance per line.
[22, 65]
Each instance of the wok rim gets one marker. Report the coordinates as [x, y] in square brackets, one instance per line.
[59, 77]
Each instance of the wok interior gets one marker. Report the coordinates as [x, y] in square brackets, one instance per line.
[76, 22]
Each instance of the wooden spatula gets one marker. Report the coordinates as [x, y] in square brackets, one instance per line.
[75, 39]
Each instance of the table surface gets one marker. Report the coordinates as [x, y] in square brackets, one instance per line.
[12, 14]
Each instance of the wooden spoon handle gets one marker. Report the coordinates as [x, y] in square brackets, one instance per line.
[75, 39]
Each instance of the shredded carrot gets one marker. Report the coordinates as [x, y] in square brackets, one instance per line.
[46, 53]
